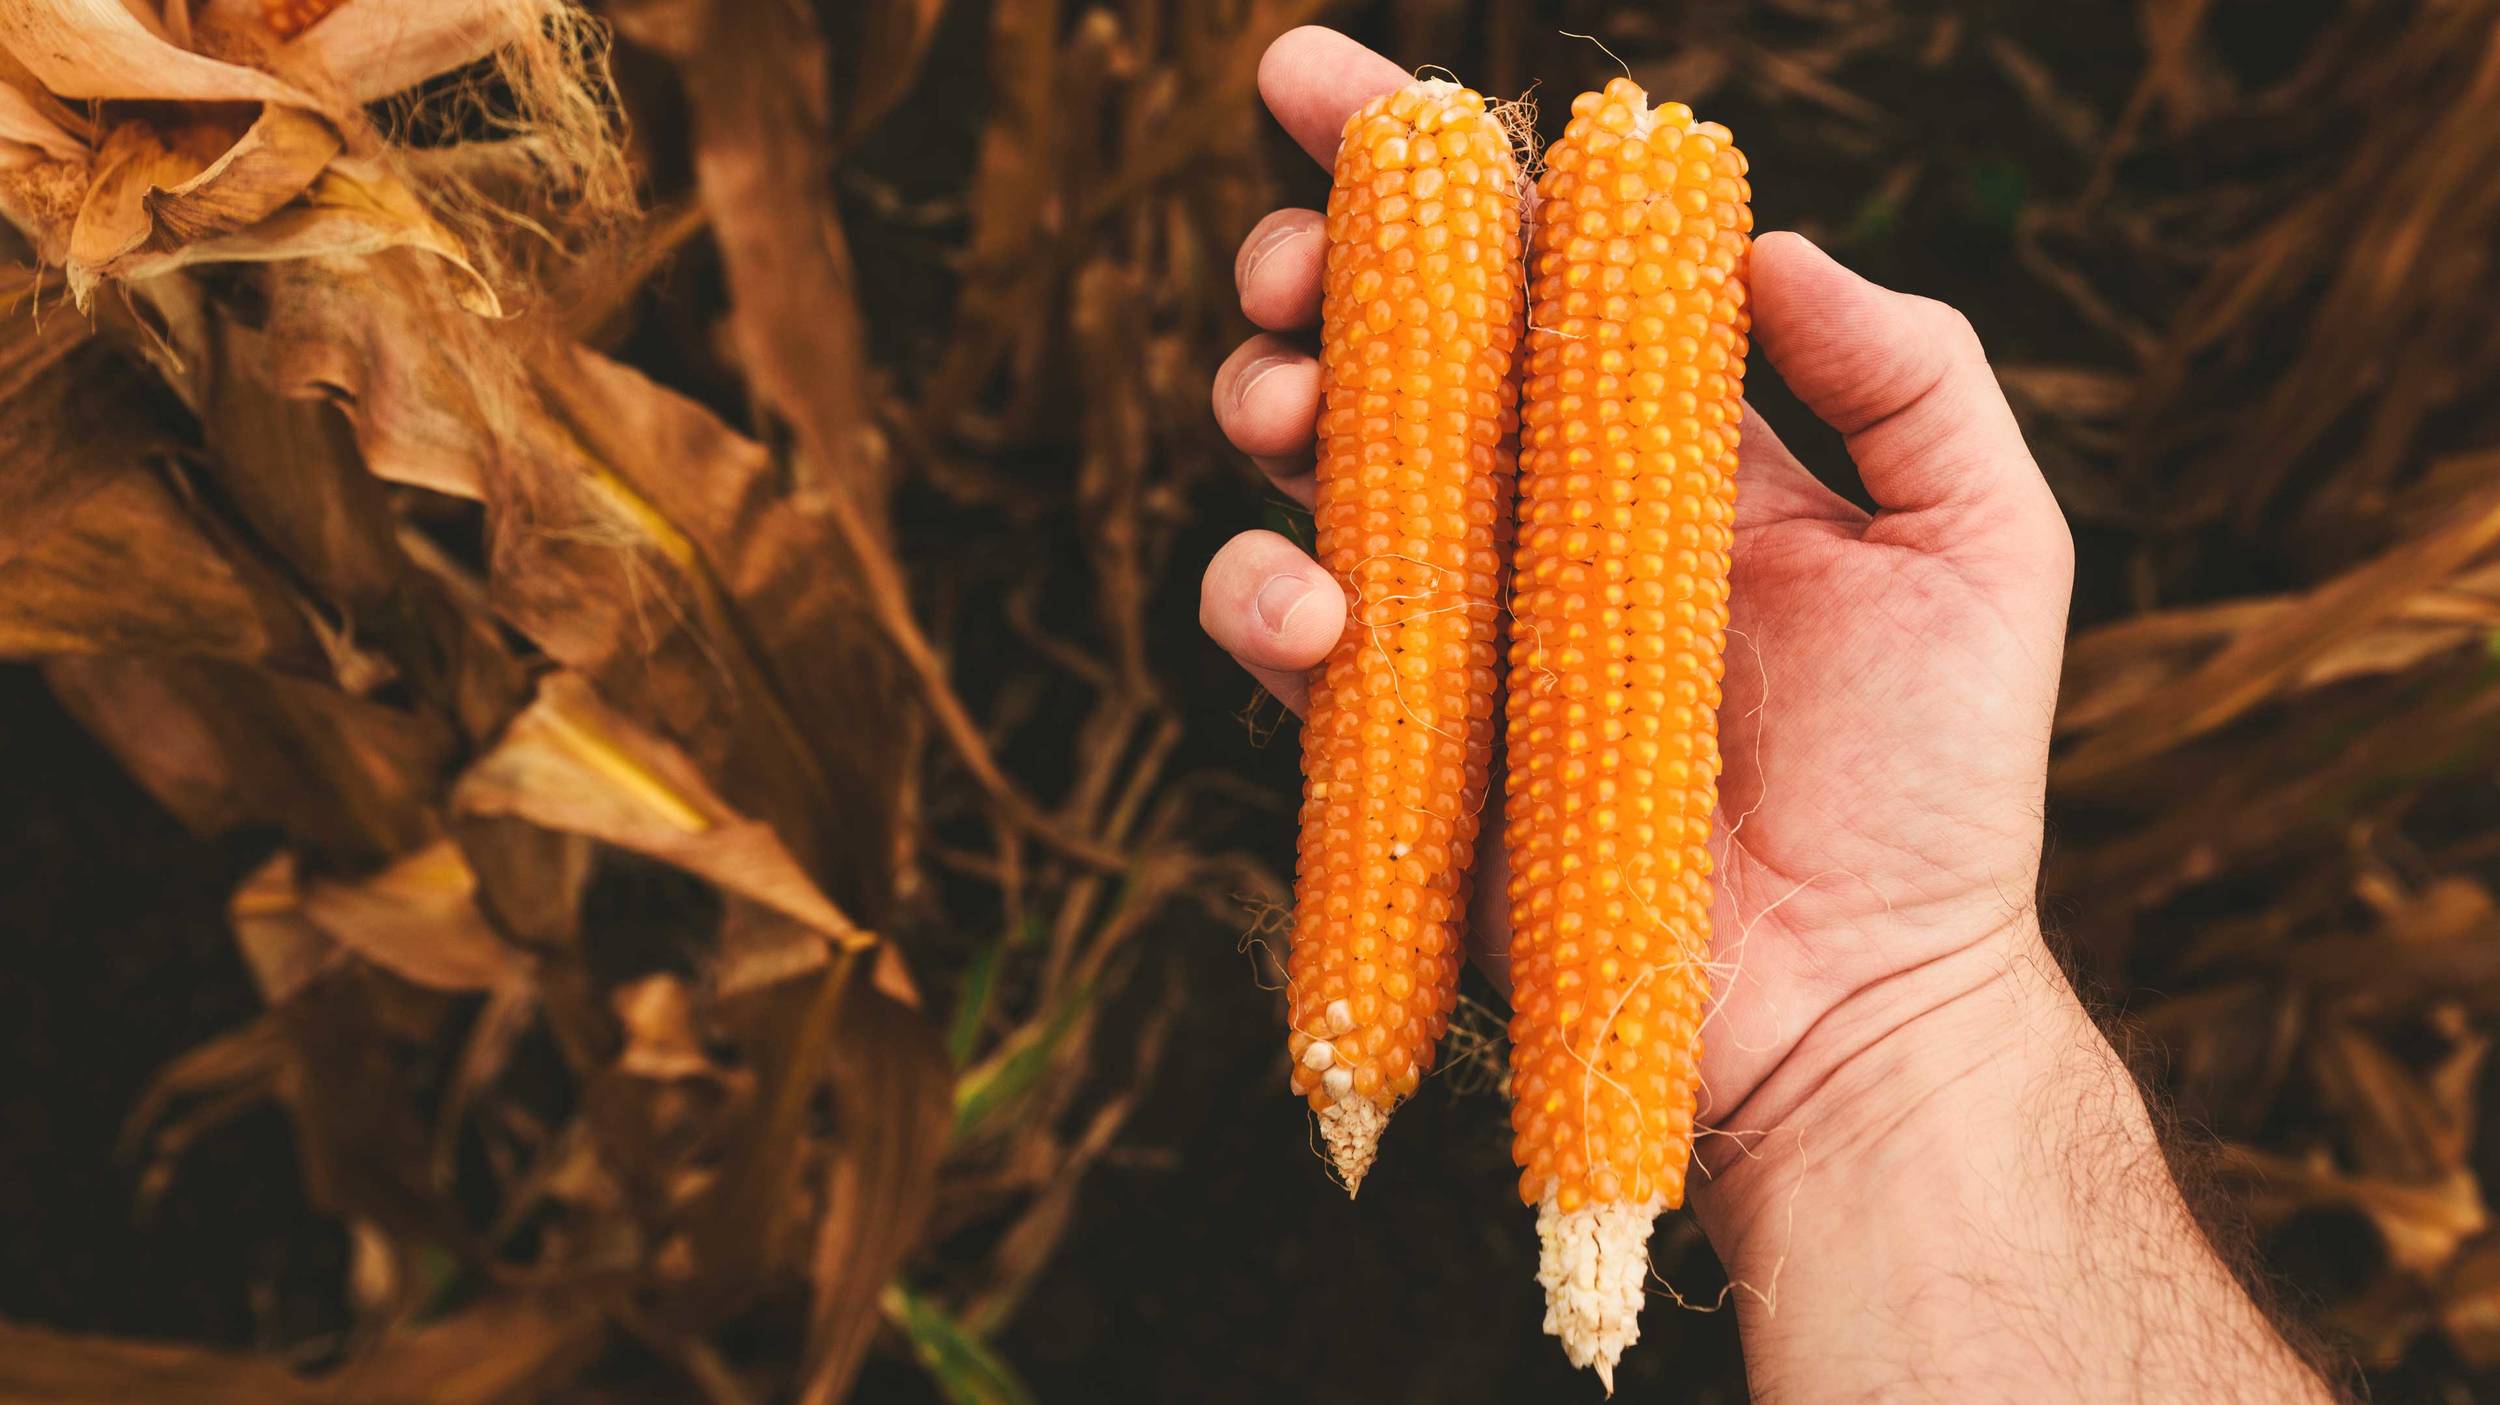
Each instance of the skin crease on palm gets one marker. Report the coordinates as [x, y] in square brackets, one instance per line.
[1971, 1201]
[1890, 679]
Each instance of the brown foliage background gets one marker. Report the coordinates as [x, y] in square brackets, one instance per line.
[620, 801]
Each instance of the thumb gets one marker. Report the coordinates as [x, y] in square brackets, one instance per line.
[1905, 380]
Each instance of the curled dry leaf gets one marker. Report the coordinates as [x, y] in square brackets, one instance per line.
[159, 187]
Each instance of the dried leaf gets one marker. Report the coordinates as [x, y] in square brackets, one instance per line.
[100, 49]
[375, 48]
[571, 763]
[2469, 1310]
[273, 162]
[353, 209]
[889, 1079]
[755, 78]
[894, 37]
[221, 745]
[131, 567]
[658, 1016]
[27, 123]
[418, 918]
[2422, 1223]
[2258, 663]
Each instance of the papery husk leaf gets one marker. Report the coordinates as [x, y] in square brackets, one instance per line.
[25, 121]
[136, 159]
[222, 744]
[100, 49]
[353, 209]
[276, 159]
[375, 48]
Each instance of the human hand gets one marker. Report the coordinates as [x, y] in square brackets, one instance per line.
[1987, 1196]
[1890, 679]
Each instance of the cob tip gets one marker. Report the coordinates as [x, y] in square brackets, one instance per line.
[1350, 1128]
[1594, 1263]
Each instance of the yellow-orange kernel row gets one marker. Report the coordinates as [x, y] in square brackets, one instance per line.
[1422, 304]
[1636, 356]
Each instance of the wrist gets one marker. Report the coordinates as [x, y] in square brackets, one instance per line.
[1954, 1048]
[1952, 1179]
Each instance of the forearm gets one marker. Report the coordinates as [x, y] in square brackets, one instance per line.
[1973, 1205]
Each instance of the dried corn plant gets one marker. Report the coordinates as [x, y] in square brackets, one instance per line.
[693, 608]
[628, 802]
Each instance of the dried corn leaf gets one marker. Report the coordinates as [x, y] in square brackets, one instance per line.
[755, 79]
[2421, 1222]
[570, 762]
[894, 37]
[785, 604]
[275, 160]
[289, 469]
[131, 567]
[2469, 1309]
[373, 49]
[31, 131]
[889, 1080]
[417, 917]
[417, 387]
[353, 209]
[221, 745]
[101, 49]
[2257, 664]
[2396, 1127]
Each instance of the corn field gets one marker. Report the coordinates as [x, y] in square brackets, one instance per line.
[616, 794]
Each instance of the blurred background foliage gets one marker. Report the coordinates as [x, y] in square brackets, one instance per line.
[682, 842]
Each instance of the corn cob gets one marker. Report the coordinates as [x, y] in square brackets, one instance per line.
[1419, 321]
[1636, 355]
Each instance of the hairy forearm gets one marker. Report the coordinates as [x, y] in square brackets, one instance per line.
[1959, 1194]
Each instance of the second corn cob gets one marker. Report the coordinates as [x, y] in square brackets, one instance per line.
[1636, 353]
[1422, 304]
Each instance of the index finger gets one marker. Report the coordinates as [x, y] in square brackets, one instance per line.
[1313, 78]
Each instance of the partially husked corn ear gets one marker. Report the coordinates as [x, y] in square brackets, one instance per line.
[1636, 358]
[1419, 321]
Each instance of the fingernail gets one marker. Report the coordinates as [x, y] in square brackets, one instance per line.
[1260, 251]
[1279, 598]
[1254, 373]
